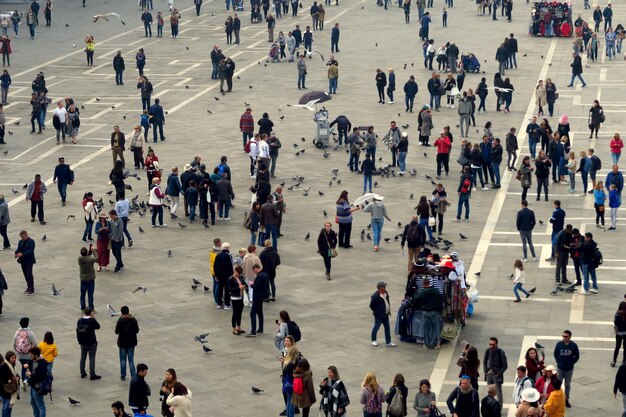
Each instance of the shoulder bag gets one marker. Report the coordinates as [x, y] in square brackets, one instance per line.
[332, 253]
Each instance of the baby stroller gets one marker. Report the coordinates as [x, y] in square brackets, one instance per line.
[470, 63]
[274, 53]
[239, 5]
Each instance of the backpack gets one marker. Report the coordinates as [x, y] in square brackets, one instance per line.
[518, 175]
[373, 403]
[596, 258]
[294, 330]
[45, 386]
[247, 222]
[82, 334]
[596, 163]
[412, 234]
[298, 386]
[246, 148]
[221, 170]
[396, 406]
[466, 185]
[22, 342]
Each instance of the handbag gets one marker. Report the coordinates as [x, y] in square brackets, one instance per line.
[601, 209]
[337, 219]
[435, 412]
[246, 299]
[10, 387]
[332, 253]
[431, 221]
[462, 160]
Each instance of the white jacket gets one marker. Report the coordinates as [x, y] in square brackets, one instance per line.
[264, 150]
[154, 200]
[180, 403]
[254, 149]
[519, 276]
[91, 213]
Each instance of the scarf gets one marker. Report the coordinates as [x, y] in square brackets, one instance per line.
[14, 373]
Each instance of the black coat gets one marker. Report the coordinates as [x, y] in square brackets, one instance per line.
[265, 126]
[92, 325]
[525, 221]
[260, 287]
[326, 241]
[270, 259]
[223, 266]
[127, 329]
[378, 306]
[577, 65]
[381, 79]
[118, 63]
[138, 393]
[490, 407]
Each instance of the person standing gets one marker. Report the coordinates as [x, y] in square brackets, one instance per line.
[577, 70]
[126, 328]
[414, 236]
[145, 86]
[444, 146]
[391, 85]
[60, 121]
[301, 66]
[5, 219]
[589, 263]
[464, 192]
[511, 149]
[393, 137]
[542, 172]
[63, 176]
[246, 125]
[87, 275]
[236, 27]
[562, 247]
[157, 120]
[525, 224]
[381, 309]
[173, 189]
[35, 374]
[334, 39]
[223, 269]
[260, 292]
[270, 259]
[558, 221]
[225, 195]
[494, 366]
[119, 67]
[139, 391]
[269, 220]
[5, 83]
[326, 244]
[410, 91]
[615, 201]
[620, 384]
[198, 4]
[117, 238]
[118, 141]
[490, 407]
[566, 354]
[378, 213]
[381, 82]
[146, 18]
[86, 335]
[430, 301]
[25, 256]
[463, 401]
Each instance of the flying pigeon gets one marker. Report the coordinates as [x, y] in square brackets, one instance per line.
[140, 288]
[56, 292]
[105, 17]
[200, 337]
[112, 312]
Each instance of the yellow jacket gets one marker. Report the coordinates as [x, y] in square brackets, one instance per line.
[48, 352]
[555, 405]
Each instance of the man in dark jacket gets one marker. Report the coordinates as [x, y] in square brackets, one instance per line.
[562, 248]
[146, 91]
[260, 292]
[126, 330]
[86, 260]
[620, 383]
[534, 136]
[63, 176]
[410, 91]
[577, 70]
[86, 335]
[119, 67]
[452, 52]
[381, 309]
[489, 406]
[223, 269]
[463, 401]
[494, 366]
[225, 195]
[139, 390]
[430, 301]
[334, 38]
[25, 255]
[558, 221]
[270, 259]
[434, 87]
[343, 126]
[542, 171]
[512, 46]
[525, 224]
[269, 220]
[502, 56]
[414, 236]
[566, 354]
[36, 374]
[496, 160]
[146, 18]
[511, 149]
[157, 118]
[589, 264]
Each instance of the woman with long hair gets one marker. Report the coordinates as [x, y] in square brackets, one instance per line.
[425, 400]
[91, 214]
[546, 134]
[48, 349]
[283, 330]
[397, 386]
[307, 398]
[344, 219]
[9, 378]
[288, 365]
[151, 165]
[534, 363]
[255, 221]
[103, 230]
[372, 396]
[237, 286]
[526, 177]
[378, 213]
[423, 211]
[596, 118]
[179, 400]
[620, 331]
[326, 243]
[470, 364]
[167, 387]
[540, 97]
[334, 394]
[599, 197]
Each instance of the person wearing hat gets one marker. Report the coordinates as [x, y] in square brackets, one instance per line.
[556, 402]
[173, 189]
[391, 84]
[528, 398]
[410, 91]
[544, 383]
[381, 309]
[463, 401]
[490, 407]
[430, 301]
[187, 176]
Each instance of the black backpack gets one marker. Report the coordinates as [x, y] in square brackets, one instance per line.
[596, 163]
[82, 333]
[596, 258]
[294, 330]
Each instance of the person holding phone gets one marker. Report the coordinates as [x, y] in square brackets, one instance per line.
[86, 261]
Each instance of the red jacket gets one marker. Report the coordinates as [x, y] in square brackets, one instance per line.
[246, 123]
[616, 145]
[540, 385]
[443, 145]
[6, 46]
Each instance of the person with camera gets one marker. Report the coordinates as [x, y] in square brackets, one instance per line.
[86, 261]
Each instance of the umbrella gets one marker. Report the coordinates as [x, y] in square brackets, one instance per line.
[315, 96]
[364, 198]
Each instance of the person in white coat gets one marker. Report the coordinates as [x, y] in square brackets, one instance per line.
[179, 400]
[254, 152]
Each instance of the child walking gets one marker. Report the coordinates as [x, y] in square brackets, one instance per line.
[519, 278]
[48, 349]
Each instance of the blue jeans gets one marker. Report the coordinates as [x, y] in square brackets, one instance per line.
[147, 27]
[214, 71]
[354, 162]
[377, 228]
[88, 229]
[273, 230]
[31, 27]
[224, 208]
[428, 229]
[463, 201]
[512, 60]
[572, 181]
[301, 80]
[385, 322]
[6, 407]
[372, 151]
[126, 232]
[478, 173]
[367, 179]
[587, 270]
[495, 167]
[332, 85]
[532, 143]
[343, 136]
[432, 328]
[130, 354]
[615, 157]
[402, 161]
[580, 77]
[192, 212]
[246, 137]
[145, 103]
[87, 287]
[38, 404]
[216, 290]
[610, 51]
[291, 409]
[118, 77]
[408, 101]
[518, 287]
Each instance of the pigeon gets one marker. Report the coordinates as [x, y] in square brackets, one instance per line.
[140, 288]
[182, 226]
[295, 145]
[411, 196]
[433, 182]
[70, 216]
[109, 192]
[194, 287]
[128, 187]
[400, 223]
[320, 193]
[338, 181]
[282, 117]
[324, 213]
[477, 273]
[56, 292]
[44, 238]
[112, 312]
[525, 54]
[510, 276]
[462, 236]
[445, 248]
[369, 226]
[447, 242]
[169, 253]
[105, 17]
[538, 346]
[368, 237]
[195, 281]
[73, 401]
[256, 390]
[209, 111]
[10, 133]
[303, 139]
[6, 152]
[540, 221]
[112, 202]
[200, 337]
[206, 349]
[216, 98]
[97, 98]
[375, 184]
[17, 123]
[25, 186]
[308, 236]
[387, 239]
[206, 289]
[14, 191]
[297, 153]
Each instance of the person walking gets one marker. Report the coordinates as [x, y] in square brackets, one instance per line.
[619, 323]
[542, 172]
[444, 146]
[378, 213]
[494, 366]
[25, 256]
[301, 66]
[414, 235]
[223, 269]
[519, 279]
[464, 192]
[615, 201]
[5, 219]
[511, 149]
[126, 330]
[489, 405]
[344, 219]
[577, 70]
[63, 176]
[525, 224]
[381, 309]
[616, 146]
[557, 219]
[596, 118]
[589, 263]
[35, 194]
[86, 335]
[326, 244]
[334, 39]
[117, 238]
[139, 391]
[463, 401]
[86, 261]
[620, 384]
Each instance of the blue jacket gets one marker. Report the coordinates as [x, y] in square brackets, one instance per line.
[486, 148]
[27, 249]
[566, 356]
[156, 111]
[557, 219]
[391, 81]
[425, 21]
[174, 187]
[192, 196]
[334, 34]
[5, 80]
[63, 174]
[614, 199]
[617, 179]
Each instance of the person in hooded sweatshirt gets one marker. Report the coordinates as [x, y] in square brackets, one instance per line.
[126, 329]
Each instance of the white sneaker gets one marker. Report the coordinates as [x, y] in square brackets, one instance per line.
[452, 106]
[473, 188]
[534, 259]
[447, 106]
[228, 308]
[391, 344]
[594, 291]
[485, 188]
[524, 260]
[391, 102]
[227, 218]
[220, 218]
[163, 225]
[583, 292]
[374, 343]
